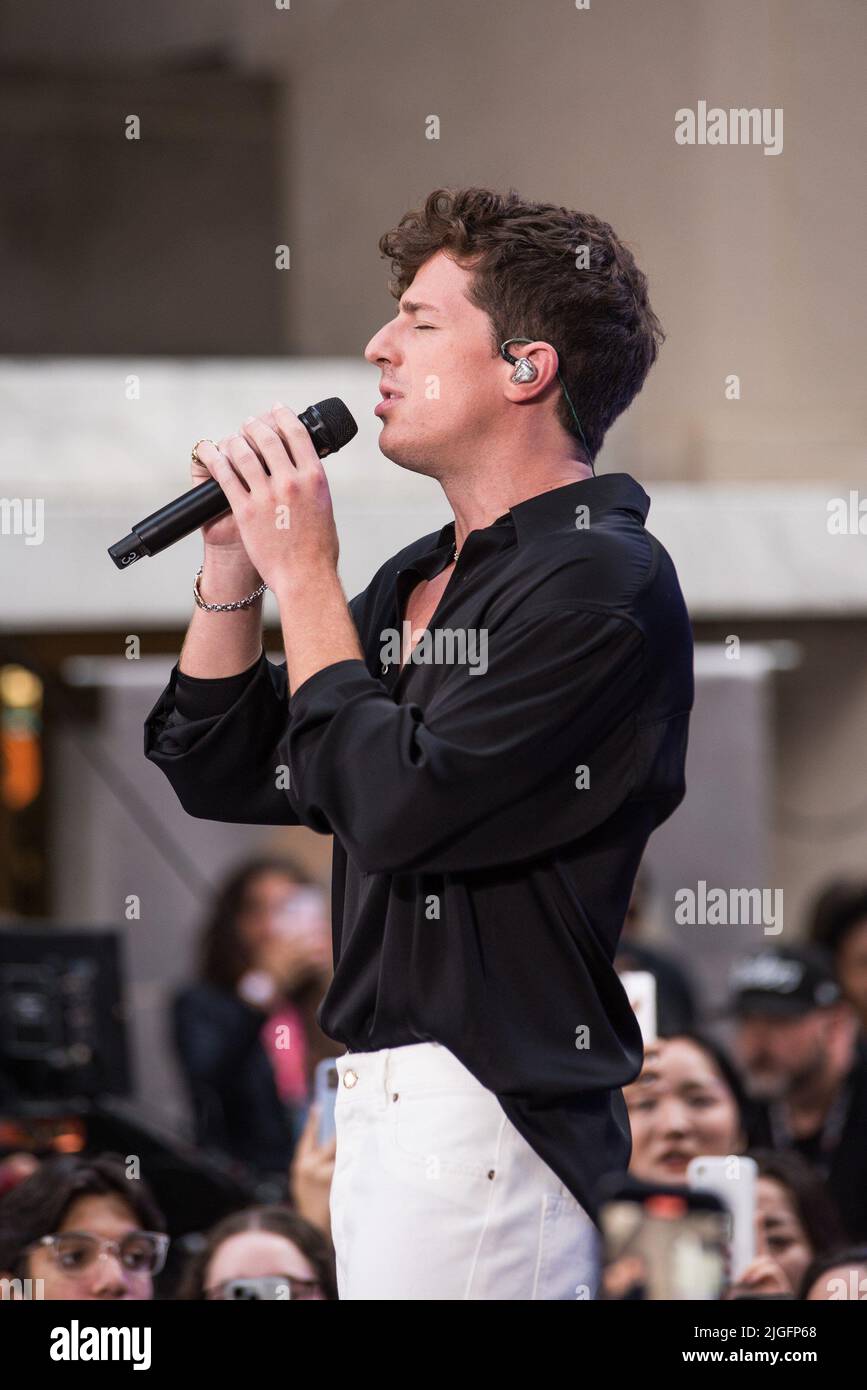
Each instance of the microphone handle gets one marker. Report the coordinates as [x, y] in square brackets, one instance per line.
[171, 523]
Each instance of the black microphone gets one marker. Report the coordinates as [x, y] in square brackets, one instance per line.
[330, 426]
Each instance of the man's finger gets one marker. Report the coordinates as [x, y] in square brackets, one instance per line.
[246, 462]
[295, 437]
[269, 446]
[221, 470]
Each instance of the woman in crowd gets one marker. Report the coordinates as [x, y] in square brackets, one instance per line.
[262, 1252]
[82, 1229]
[796, 1221]
[245, 1032]
[687, 1101]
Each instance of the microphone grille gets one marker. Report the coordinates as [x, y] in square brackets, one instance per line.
[338, 421]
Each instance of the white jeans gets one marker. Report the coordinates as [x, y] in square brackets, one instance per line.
[436, 1195]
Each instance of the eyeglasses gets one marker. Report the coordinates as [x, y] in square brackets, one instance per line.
[272, 1286]
[140, 1252]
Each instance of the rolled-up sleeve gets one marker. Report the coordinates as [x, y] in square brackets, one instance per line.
[458, 785]
[217, 743]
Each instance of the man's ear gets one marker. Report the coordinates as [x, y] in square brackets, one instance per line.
[545, 360]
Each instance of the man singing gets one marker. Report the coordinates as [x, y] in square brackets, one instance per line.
[491, 782]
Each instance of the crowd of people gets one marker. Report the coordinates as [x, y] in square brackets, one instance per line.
[788, 1089]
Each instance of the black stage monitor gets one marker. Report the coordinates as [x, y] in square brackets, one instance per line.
[62, 1022]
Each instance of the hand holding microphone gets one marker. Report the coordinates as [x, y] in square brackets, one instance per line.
[225, 553]
[274, 481]
[221, 532]
[295, 444]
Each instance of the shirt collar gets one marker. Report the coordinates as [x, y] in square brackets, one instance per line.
[549, 511]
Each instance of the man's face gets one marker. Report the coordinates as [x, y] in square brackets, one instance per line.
[440, 358]
[780, 1054]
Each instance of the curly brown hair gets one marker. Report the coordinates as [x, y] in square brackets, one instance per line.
[528, 281]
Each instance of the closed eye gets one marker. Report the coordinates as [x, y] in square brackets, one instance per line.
[423, 325]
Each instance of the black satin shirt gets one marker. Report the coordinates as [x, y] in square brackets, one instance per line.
[490, 802]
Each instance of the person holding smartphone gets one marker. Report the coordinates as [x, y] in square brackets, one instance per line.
[245, 1030]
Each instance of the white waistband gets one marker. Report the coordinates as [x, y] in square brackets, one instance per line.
[424, 1066]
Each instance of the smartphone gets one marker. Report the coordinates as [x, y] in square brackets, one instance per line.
[303, 914]
[265, 1286]
[640, 988]
[663, 1244]
[325, 1083]
[731, 1178]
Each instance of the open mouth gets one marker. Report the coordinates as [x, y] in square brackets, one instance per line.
[389, 399]
[675, 1159]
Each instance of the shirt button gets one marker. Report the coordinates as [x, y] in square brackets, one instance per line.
[350, 1077]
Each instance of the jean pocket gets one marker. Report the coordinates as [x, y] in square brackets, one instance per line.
[455, 1132]
[567, 1263]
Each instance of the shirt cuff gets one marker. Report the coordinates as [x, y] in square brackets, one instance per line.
[328, 681]
[201, 697]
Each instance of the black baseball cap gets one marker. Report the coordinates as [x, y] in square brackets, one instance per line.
[782, 982]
